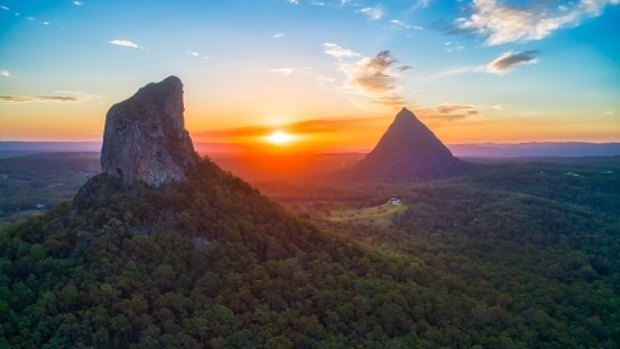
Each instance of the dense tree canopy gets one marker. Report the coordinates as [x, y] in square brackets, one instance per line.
[210, 263]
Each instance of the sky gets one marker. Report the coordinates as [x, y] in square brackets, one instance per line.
[328, 74]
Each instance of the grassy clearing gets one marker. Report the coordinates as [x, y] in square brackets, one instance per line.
[377, 215]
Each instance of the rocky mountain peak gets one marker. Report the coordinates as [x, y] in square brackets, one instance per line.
[145, 137]
[408, 149]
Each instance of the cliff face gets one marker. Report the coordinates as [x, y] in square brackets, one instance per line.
[145, 138]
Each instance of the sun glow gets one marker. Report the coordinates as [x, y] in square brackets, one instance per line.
[279, 138]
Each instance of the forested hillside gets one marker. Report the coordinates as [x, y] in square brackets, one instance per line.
[212, 263]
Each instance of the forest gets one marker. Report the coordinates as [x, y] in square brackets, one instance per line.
[512, 256]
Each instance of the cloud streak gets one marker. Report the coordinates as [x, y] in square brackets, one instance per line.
[124, 43]
[448, 112]
[508, 60]
[37, 99]
[67, 97]
[5, 73]
[502, 24]
[287, 71]
[500, 65]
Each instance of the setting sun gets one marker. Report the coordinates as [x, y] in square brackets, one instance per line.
[279, 138]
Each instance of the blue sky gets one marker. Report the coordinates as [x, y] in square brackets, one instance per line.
[475, 71]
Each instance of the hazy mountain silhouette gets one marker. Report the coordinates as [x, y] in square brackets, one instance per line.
[408, 149]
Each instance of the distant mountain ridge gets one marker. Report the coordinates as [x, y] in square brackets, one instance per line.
[484, 150]
[535, 149]
[408, 149]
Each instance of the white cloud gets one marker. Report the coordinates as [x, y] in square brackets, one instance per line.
[30, 18]
[198, 54]
[5, 73]
[46, 23]
[502, 24]
[400, 23]
[5, 8]
[278, 35]
[374, 13]
[78, 3]
[286, 71]
[124, 43]
[338, 51]
[294, 2]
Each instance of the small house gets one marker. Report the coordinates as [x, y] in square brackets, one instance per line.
[394, 201]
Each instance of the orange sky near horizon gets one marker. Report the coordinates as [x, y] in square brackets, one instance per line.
[357, 133]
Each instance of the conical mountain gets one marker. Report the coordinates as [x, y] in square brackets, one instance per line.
[408, 149]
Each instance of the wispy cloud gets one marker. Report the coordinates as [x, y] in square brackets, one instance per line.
[278, 35]
[285, 71]
[609, 112]
[63, 97]
[373, 77]
[124, 43]
[423, 3]
[448, 112]
[374, 13]
[508, 60]
[294, 2]
[500, 65]
[4, 8]
[198, 55]
[5, 73]
[78, 3]
[374, 74]
[400, 24]
[454, 46]
[338, 51]
[37, 99]
[502, 24]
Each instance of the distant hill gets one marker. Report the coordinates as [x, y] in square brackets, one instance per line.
[408, 149]
[535, 149]
[9, 149]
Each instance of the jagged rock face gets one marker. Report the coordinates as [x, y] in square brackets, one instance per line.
[408, 149]
[145, 138]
